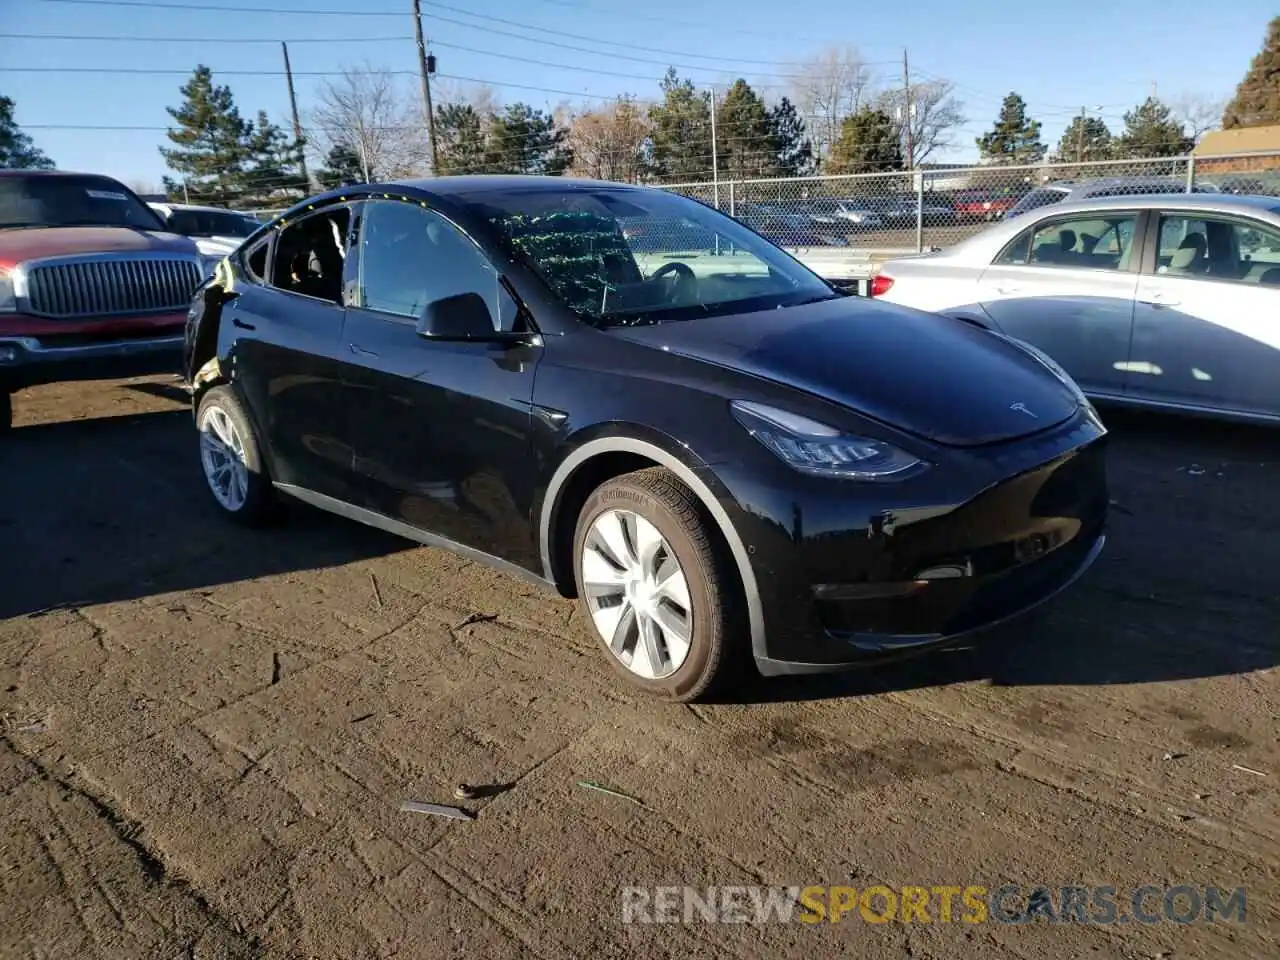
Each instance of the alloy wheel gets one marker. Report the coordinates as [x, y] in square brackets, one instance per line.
[223, 458]
[637, 594]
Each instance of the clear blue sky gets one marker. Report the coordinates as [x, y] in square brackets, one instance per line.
[1101, 56]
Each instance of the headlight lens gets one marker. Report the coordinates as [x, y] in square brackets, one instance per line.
[8, 299]
[821, 450]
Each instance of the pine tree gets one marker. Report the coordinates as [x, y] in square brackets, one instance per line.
[1086, 139]
[17, 151]
[273, 165]
[681, 131]
[1015, 139]
[868, 143]
[795, 151]
[1150, 130]
[210, 149]
[524, 140]
[747, 146]
[1257, 99]
[342, 168]
[460, 141]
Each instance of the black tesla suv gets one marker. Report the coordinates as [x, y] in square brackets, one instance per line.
[710, 448]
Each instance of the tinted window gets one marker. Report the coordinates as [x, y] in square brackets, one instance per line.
[411, 256]
[211, 223]
[68, 200]
[1219, 249]
[310, 255]
[1086, 242]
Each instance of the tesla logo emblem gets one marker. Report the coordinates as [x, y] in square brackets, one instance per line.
[1022, 408]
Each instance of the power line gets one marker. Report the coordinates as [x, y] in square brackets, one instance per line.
[160, 5]
[433, 43]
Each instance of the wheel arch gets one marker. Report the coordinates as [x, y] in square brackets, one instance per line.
[603, 458]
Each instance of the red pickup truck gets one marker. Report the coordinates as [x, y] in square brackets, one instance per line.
[91, 284]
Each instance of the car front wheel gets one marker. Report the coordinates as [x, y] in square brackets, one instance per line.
[657, 594]
[231, 458]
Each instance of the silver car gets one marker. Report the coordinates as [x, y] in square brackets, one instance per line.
[1063, 191]
[1166, 301]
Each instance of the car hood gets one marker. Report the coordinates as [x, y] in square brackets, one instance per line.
[932, 376]
[17, 245]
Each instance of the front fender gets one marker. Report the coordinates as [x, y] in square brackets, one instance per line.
[697, 476]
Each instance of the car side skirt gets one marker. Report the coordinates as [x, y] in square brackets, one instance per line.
[381, 522]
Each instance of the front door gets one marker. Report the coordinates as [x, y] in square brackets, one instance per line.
[1066, 285]
[1207, 320]
[442, 429]
[288, 331]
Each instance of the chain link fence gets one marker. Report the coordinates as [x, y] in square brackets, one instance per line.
[935, 207]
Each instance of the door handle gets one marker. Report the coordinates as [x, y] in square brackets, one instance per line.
[237, 322]
[361, 351]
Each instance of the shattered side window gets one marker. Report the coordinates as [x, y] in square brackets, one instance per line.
[579, 253]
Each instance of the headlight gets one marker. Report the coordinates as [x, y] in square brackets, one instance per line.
[8, 299]
[823, 451]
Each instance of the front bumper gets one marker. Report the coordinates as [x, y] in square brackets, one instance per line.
[850, 573]
[29, 361]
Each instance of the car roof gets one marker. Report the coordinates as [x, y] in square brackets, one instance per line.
[32, 172]
[1214, 202]
[477, 184]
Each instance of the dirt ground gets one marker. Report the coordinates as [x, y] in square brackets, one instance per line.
[208, 733]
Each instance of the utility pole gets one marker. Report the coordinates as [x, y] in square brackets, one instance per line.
[293, 105]
[425, 72]
[1080, 136]
[715, 155]
[907, 112]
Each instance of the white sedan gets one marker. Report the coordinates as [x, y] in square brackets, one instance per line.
[217, 232]
[1167, 301]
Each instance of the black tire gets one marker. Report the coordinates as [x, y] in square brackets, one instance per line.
[259, 506]
[6, 411]
[714, 656]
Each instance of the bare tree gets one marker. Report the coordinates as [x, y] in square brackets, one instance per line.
[827, 88]
[1198, 115]
[611, 142]
[366, 112]
[935, 114]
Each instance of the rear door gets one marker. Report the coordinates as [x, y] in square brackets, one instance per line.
[289, 352]
[1207, 320]
[1066, 285]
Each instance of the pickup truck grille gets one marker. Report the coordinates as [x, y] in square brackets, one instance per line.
[104, 286]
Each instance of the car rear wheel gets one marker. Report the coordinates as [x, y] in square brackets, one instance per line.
[231, 458]
[656, 592]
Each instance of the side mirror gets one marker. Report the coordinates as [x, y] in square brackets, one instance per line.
[464, 316]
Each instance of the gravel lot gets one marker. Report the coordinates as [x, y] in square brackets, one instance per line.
[207, 732]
